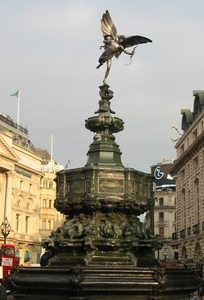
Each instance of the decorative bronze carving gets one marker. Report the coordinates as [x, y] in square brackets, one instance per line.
[103, 249]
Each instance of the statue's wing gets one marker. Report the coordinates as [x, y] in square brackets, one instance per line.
[134, 40]
[107, 25]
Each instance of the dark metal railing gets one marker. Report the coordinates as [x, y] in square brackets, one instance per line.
[9, 121]
[183, 233]
[174, 235]
[196, 228]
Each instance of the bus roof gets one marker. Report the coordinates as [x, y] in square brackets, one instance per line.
[7, 245]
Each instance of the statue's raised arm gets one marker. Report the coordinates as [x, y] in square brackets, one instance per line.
[115, 44]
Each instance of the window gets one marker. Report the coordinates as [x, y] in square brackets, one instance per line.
[49, 224]
[183, 174]
[30, 188]
[44, 184]
[44, 203]
[38, 258]
[43, 224]
[161, 201]
[21, 184]
[26, 256]
[184, 253]
[176, 257]
[161, 232]
[50, 184]
[182, 149]
[195, 135]
[26, 224]
[17, 222]
[188, 169]
[198, 252]
[183, 209]
[195, 163]
[201, 126]
[197, 201]
[161, 217]
[50, 203]
[187, 142]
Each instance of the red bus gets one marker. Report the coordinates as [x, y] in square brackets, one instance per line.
[8, 259]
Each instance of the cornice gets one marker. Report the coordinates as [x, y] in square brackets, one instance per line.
[188, 154]
[190, 129]
[13, 156]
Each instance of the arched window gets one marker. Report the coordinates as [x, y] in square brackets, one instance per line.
[26, 256]
[184, 254]
[38, 258]
[17, 253]
[198, 252]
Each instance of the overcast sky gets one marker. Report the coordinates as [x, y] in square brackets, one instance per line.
[50, 49]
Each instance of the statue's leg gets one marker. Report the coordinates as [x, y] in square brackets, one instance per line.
[99, 65]
[109, 62]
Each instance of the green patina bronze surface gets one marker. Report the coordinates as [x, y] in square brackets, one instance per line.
[103, 249]
[103, 200]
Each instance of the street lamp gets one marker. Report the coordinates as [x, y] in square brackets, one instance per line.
[165, 254]
[5, 228]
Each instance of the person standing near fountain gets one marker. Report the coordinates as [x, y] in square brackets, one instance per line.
[49, 253]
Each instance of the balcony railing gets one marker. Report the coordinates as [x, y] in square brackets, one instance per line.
[174, 235]
[9, 121]
[196, 228]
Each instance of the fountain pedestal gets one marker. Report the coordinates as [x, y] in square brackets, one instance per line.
[103, 249]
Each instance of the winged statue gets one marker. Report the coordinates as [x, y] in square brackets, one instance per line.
[115, 44]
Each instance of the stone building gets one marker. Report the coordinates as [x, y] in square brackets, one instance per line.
[49, 218]
[188, 171]
[161, 218]
[27, 191]
[20, 177]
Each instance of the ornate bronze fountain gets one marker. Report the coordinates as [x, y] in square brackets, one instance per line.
[103, 249]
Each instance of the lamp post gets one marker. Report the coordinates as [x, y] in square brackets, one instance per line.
[5, 228]
[165, 254]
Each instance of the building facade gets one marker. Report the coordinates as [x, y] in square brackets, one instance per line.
[49, 218]
[20, 177]
[161, 218]
[188, 171]
[27, 192]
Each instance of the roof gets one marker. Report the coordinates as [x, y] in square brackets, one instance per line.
[43, 153]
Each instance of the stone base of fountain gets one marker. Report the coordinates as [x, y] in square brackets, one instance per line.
[99, 282]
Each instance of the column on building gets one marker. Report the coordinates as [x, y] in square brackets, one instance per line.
[8, 201]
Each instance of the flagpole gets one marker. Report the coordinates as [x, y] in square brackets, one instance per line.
[51, 148]
[18, 110]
